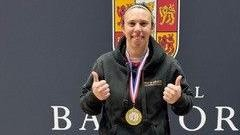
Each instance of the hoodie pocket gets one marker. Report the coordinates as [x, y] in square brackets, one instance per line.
[113, 130]
[158, 129]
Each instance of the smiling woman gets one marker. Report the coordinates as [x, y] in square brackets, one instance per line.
[137, 28]
[133, 85]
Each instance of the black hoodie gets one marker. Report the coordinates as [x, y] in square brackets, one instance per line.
[159, 70]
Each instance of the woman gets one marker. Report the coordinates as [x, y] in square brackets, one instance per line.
[133, 85]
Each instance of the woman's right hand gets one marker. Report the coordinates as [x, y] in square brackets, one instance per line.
[100, 88]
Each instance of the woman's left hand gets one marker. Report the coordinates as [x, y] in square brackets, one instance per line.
[173, 92]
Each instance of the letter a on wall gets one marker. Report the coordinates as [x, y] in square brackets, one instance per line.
[166, 17]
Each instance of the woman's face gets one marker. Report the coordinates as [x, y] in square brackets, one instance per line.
[137, 27]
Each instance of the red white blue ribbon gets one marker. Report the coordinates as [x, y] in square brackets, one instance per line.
[134, 90]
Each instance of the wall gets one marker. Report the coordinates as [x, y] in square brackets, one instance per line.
[47, 48]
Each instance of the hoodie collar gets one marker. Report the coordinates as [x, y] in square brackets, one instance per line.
[156, 53]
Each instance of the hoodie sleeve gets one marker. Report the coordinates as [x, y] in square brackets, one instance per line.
[185, 102]
[89, 103]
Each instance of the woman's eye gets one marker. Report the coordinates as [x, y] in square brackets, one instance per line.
[143, 24]
[132, 23]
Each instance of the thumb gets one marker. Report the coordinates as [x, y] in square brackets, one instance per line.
[178, 80]
[95, 76]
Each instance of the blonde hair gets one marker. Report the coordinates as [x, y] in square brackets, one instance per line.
[142, 6]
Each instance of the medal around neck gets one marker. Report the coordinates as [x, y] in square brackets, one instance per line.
[133, 117]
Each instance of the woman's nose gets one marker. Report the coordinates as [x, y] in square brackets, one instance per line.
[138, 27]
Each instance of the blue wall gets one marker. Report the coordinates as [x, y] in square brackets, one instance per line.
[47, 48]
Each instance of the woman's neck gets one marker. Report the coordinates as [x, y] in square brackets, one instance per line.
[136, 54]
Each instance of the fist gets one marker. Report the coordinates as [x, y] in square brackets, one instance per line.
[173, 91]
[100, 88]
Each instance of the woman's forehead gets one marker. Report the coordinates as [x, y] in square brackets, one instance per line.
[137, 13]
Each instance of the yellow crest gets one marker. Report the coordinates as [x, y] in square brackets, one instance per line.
[166, 16]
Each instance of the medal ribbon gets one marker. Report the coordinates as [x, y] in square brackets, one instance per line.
[134, 88]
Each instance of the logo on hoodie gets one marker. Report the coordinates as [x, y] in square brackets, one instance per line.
[166, 18]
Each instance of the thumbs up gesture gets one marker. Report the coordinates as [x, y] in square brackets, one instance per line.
[100, 88]
[173, 91]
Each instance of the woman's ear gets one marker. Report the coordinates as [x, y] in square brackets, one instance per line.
[122, 28]
[152, 26]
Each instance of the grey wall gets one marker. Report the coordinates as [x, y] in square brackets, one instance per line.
[47, 48]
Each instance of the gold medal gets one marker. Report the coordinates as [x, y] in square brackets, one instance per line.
[133, 116]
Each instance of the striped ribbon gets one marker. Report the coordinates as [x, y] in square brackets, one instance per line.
[134, 90]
